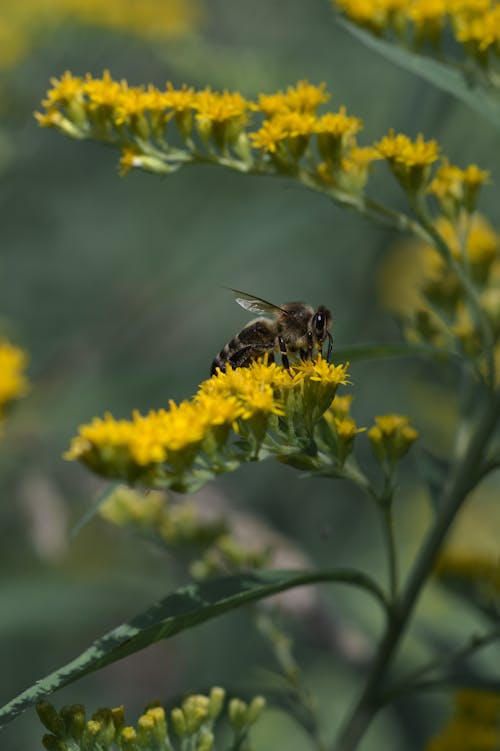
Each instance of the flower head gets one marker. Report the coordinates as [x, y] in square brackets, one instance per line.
[13, 382]
[391, 437]
[303, 97]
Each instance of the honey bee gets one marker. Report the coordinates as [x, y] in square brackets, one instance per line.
[294, 328]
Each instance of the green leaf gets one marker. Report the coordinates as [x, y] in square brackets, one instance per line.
[183, 609]
[382, 351]
[442, 75]
[93, 510]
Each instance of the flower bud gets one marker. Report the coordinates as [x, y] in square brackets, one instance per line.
[205, 741]
[217, 697]
[74, 720]
[51, 743]
[257, 706]
[178, 722]
[50, 718]
[238, 714]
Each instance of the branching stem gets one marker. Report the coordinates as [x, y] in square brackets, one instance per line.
[462, 479]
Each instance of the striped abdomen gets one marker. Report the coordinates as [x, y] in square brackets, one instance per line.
[257, 338]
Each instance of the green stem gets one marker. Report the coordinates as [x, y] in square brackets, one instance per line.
[417, 678]
[462, 480]
[303, 703]
[388, 529]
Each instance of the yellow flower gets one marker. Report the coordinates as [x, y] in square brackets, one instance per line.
[402, 150]
[282, 126]
[303, 97]
[178, 100]
[13, 382]
[221, 116]
[337, 124]
[391, 437]
[473, 725]
[456, 188]
[429, 17]
[20, 25]
[479, 568]
[64, 90]
[483, 242]
[219, 107]
[323, 372]
[409, 160]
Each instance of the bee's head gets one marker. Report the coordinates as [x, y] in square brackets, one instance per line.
[320, 324]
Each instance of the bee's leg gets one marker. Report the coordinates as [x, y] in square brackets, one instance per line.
[330, 347]
[283, 352]
[310, 345]
[303, 354]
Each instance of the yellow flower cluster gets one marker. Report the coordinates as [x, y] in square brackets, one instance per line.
[13, 382]
[342, 426]
[148, 18]
[164, 445]
[455, 187]
[277, 133]
[473, 725]
[418, 285]
[475, 24]
[391, 437]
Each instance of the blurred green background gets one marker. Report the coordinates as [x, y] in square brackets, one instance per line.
[115, 287]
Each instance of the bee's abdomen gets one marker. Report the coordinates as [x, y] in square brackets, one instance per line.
[254, 340]
[225, 355]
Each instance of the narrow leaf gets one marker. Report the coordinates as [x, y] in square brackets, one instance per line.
[180, 610]
[442, 75]
[93, 510]
[382, 351]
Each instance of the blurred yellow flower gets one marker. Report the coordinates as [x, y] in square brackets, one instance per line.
[391, 437]
[13, 382]
[21, 22]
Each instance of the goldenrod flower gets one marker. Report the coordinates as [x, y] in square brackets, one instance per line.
[409, 160]
[289, 128]
[149, 18]
[407, 153]
[221, 116]
[456, 188]
[303, 97]
[169, 446]
[473, 725]
[13, 382]
[391, 437]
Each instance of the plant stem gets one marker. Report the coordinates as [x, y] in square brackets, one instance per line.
[388, 529]
[461, 481]
[417, 678]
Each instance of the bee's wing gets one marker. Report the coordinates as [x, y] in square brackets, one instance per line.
[256, 304]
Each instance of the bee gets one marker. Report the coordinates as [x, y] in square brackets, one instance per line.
[294, 328]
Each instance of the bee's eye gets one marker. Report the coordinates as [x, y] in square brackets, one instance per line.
[319, 322]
